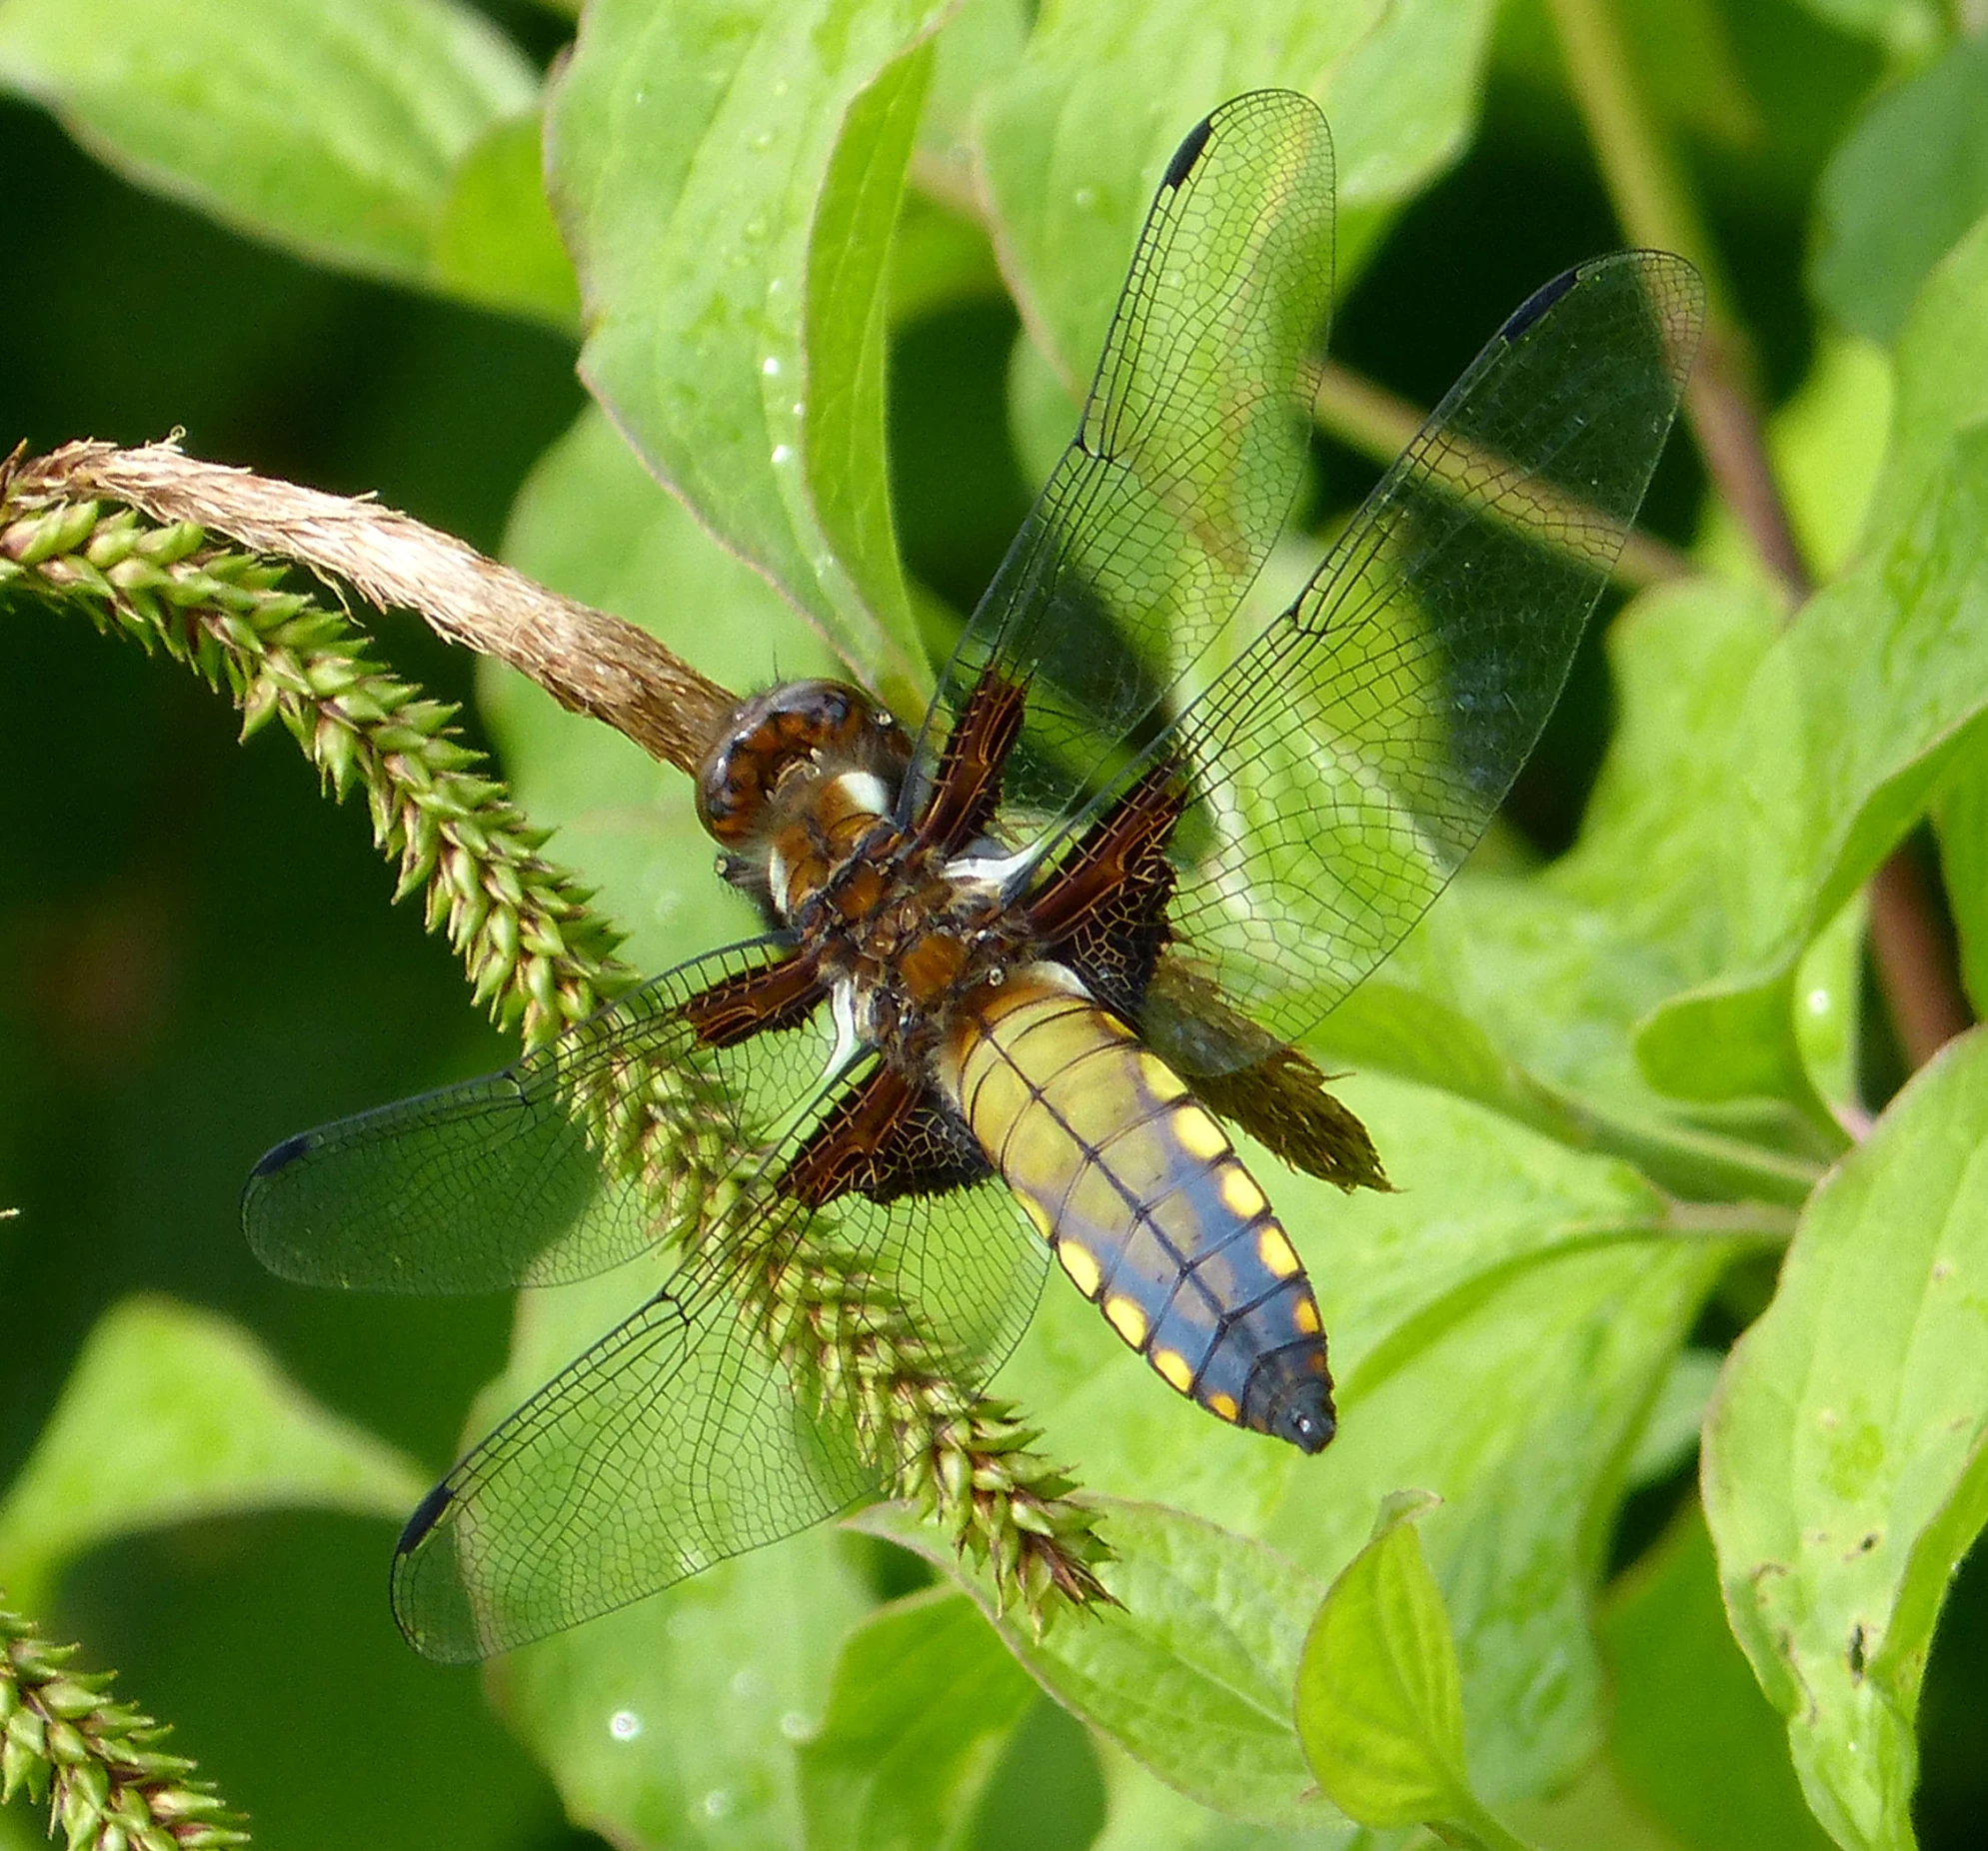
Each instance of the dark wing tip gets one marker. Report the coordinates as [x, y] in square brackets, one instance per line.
[1536, 304]
[284, 1154]
[1189, 152]
[427, 1514]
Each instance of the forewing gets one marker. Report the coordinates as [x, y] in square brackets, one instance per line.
[724, 1414]
[1346, 760]
[590, 1151]
[1161, 510]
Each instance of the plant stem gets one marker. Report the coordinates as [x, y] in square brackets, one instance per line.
[1656, 209]
[588, 661]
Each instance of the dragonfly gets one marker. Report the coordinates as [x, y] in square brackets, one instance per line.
[1032, 964]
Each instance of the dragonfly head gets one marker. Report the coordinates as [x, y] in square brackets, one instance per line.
[780, 747]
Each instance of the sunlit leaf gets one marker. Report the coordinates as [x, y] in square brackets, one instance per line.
[331, 131]
[172, 1415]
[1845, 1474]
[728, 179]
[925, 1698]
[1192, 1673]
[1379, 1708]
[1072, 142]
[1908, 181]
[1691, 1735]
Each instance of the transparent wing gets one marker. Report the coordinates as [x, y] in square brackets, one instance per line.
[1345, 762]
[726, 1414]
[1161, 510]
[601, 1145]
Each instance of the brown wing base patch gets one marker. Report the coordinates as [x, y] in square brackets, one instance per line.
[885, 1138]
[780, 994]
[1103, 910]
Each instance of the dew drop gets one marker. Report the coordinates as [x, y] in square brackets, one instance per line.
[795, 1726]
[717, 1803]
[783, 454]
[625, 1725]
[770, 365]
[1818, 1001]
[763, 140]
[1084, 198]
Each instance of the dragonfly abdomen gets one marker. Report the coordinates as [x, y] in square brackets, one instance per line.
[1144, 1202]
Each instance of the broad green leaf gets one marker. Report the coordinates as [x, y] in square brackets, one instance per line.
[591, 522]
[1847, 727]
[1520, 1411]
[1691, 1735]
[1380, 1706]
[676, 1721]
[727, 178]
[170, 1415]
[495, 242]
[1940, 382]
[1845, 1472]
[1193, 1672]
[1072, 143]
[1909, 179]
[333, 130]
[923, 1700]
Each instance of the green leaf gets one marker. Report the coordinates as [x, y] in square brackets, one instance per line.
[1941, 384]
[1845, 1472]
[1691, 1736]
[334, 132]
[1072, 141]
[676, 1721]
[593, 524]
[727, 178]
[495, 242]
[1193, 1672]
[1671, 1430]
[1908, 181]
[925, 1698]
[1847, 727]
[171, 1415]
[1379, 1705]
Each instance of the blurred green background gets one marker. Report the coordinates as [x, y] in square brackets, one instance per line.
[197, 956]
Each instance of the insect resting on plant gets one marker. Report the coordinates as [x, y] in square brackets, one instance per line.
[1023, 964]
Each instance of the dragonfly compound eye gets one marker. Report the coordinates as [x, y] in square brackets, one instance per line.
[825, 725]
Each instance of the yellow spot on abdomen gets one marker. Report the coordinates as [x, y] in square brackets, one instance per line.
[1037, 1214]
[1222, 1407]
[1080, 1265]
[1173, 1368]
[1161, 1081]
[1198, 1134]
[1304, 1314]
[1126, 1319]
[1245, 1200]
[1273, 1248]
